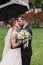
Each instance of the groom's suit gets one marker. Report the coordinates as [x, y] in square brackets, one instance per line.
[27, 52]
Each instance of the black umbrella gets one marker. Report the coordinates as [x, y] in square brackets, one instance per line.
[3, 1]
[11, 9]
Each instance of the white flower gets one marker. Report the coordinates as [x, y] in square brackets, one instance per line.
[27, 34]
[23, 34]
[23, 37]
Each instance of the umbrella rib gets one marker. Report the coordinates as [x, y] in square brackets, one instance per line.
[10, 3]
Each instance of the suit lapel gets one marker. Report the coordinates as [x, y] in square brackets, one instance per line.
[25, 27]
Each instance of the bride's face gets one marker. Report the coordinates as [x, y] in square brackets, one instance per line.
[16, 25]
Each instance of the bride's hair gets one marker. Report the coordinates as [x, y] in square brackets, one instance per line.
[12, 22]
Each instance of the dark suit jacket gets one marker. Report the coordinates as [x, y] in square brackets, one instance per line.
[27, 52]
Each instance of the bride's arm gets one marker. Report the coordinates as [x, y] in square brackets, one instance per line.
[13, 41]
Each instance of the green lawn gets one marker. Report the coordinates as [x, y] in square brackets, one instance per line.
[2, 36]
[37, 45]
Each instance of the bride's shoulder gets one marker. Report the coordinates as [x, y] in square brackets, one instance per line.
[10, 29]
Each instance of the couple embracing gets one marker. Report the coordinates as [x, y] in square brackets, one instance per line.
[17, 48]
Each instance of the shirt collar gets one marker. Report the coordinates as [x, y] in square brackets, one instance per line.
[25, 26]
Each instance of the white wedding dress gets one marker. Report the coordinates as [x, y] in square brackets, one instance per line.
[10, 56]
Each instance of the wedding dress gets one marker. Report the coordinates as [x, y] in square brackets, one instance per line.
[10, 56]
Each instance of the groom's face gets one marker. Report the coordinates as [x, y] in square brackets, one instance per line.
[20, 21]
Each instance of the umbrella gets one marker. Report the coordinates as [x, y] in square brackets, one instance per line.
[3, 1]
[12, 9]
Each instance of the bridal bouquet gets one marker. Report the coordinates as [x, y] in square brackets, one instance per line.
[23, 36]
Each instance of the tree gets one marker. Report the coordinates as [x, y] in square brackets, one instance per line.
[38, 3]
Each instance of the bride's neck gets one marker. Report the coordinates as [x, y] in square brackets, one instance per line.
[14, 28]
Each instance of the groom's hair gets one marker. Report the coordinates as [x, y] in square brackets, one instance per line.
[23, 17]
[12, 21]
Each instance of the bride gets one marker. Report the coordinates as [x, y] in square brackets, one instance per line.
[12, 51]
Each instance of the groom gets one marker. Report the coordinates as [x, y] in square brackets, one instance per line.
[26, 52]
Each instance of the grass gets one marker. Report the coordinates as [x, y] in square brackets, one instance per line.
[37, 45]
[2, 36]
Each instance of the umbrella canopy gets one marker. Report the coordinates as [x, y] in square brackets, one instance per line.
[12, 9]
[3, 1]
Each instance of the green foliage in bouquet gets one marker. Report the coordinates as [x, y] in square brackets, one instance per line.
[19, 29]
